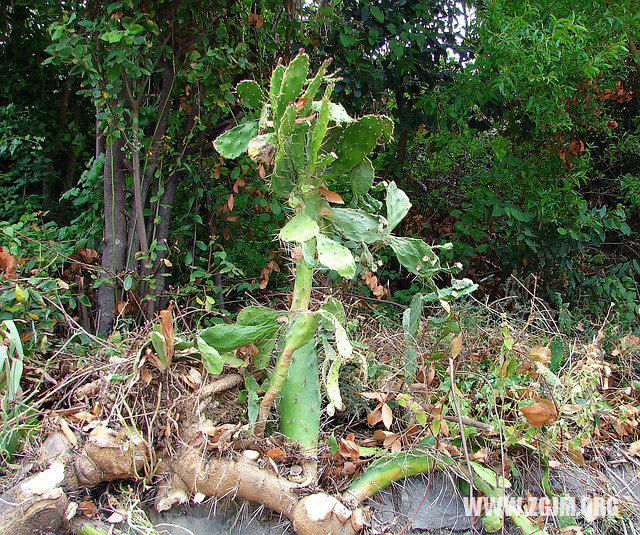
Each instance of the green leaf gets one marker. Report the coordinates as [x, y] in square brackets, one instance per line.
[127, 284]
[157, 341]
[114, 36]
[335, 307]
[362, 177]
[299, 228]
[227, 337]
[357, 225]
[235, 141]
[489, 476]
[252, 398]
[333, 444]
[211, 358]
[398, 205]
[261, 316]
[411, 318]
[343, 344]
[135, 29]
[415, 256]
[410, 363]
[250, 93]
[377, 14]
[347, 40]
[335, 256]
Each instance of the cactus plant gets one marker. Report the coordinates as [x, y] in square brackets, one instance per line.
[309, 144]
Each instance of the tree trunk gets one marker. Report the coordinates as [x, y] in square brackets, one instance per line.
[99, 136]
[115, 234]
[401, 153]
[47, 186]
[162, 239]
[403, 126]
[72, 160]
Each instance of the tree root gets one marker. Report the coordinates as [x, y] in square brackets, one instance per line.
[41, 502]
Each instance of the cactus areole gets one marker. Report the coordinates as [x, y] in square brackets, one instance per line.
[310, 147]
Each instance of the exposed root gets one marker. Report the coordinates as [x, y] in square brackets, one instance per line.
[41, 503]
[221, 385]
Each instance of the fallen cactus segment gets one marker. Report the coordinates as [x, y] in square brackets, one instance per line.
[386, 470]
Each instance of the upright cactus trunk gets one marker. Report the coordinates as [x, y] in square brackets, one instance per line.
[302, 328]
[299, 407]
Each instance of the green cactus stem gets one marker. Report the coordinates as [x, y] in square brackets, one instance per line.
[297, 332]
[386, 470]
[299, 407]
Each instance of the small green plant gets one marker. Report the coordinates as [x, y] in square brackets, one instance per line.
[11, 368]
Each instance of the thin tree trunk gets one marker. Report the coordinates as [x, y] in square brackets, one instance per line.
[401, 153]
[403, 135]
[72, 160]
[47, 187]
[99, 136]
[115, 234]
[162, 237]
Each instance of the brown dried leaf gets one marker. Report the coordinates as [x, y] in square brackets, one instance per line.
[277, 454]
[230, 202]
[387, 415]
[249, 350]
[374, 417]
[331, 196]
[300, 103]
[480, 456]
[542, 412]
[237, 185]
[8, 265]
[296, 253]
[88, 256]
[456, 346]
[540, 354]
[349, 468]
[87, 508]
[378, 396]
[166, 325]
[348, 448]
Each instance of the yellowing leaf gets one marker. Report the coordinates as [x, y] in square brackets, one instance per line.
[456, 346]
